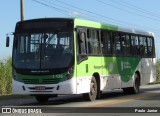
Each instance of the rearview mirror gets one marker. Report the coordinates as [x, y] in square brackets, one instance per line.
[7, 41]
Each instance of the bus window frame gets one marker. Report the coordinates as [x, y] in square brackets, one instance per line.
[112, 35]
[103, 42]
[113, 39]
[81, 57]
[98, 34]
[130, 46]
[132, 51]
[143, 55]
[153, 54]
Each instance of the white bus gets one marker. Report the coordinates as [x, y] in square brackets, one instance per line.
[54, 56]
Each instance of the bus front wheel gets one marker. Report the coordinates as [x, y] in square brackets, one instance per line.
[91, 96]
[42, 99]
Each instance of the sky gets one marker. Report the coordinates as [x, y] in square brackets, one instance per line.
[135, 14]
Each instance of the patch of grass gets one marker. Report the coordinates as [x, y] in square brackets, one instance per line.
[6, 76]
[158, 70]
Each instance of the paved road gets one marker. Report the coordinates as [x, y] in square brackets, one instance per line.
[114, 102]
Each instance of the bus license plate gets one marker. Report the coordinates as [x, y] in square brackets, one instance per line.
[40, 88]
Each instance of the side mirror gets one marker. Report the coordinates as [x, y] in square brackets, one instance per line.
[7, 41]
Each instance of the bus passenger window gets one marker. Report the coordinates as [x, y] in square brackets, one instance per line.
[126, 47]
[143, 46]
[93, 42]
[135, 45]
[106, 41]
[82, 43]
[117, 44]
[150, 47]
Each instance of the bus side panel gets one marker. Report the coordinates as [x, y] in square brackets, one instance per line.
[129, 66]
[85, 71]
[148, 70]
[119, 72]
[111, 78]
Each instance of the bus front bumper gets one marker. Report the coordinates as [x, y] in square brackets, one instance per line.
[66, 87]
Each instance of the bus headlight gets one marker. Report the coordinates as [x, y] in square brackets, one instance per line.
[69, 74]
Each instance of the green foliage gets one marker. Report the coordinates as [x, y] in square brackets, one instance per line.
[6, 76]
[158, 70]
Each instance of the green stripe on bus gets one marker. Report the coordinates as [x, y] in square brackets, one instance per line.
[92, 24]
[43, 79]
[123, 66]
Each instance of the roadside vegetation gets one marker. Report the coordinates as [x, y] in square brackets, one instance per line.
[158, 70]
[6, 76]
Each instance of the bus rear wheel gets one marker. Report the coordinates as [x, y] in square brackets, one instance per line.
[91, 96]
[136, 86]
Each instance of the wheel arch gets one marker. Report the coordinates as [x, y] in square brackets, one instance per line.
[97, 77]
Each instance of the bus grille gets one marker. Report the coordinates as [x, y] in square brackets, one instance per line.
[41, 81]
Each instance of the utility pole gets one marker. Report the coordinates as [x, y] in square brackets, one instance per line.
[22, 9]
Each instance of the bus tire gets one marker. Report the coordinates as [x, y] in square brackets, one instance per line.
[42, 99]
[136, 85]
[91, 96]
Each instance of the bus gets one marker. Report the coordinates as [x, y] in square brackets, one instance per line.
[63, 56]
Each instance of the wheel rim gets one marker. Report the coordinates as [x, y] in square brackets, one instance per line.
[93, 90]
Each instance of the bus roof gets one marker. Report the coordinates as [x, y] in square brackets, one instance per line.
[93, 24]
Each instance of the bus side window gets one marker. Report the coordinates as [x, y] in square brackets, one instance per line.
[126, 45]
[117, 43]
[106, 41]
[89, 42]
[150, 47]
[82, 43]
[135, 45]
[93, 42]
[143, 46]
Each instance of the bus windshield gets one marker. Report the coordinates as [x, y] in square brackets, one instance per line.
[49, 50]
